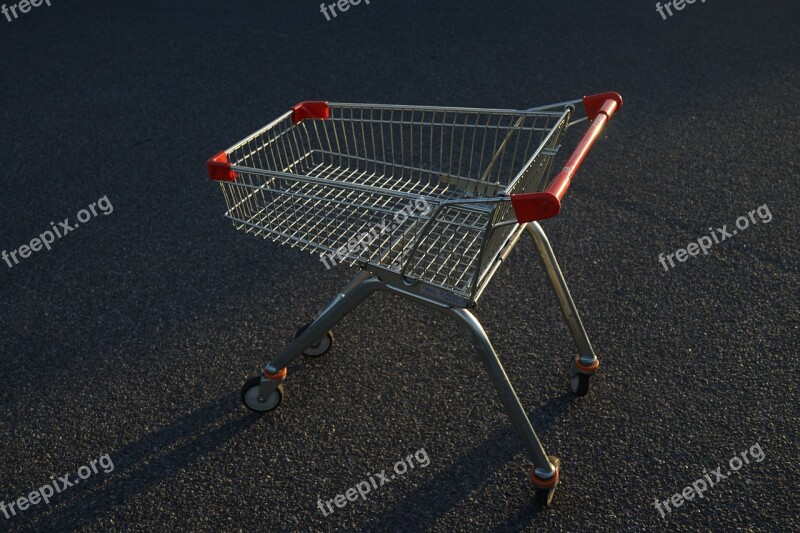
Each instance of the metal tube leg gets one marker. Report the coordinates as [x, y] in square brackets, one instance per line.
[559, 284]
[544, 469]
[362, 286]
[361, 276]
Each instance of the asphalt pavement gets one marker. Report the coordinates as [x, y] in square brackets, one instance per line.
[124, 345]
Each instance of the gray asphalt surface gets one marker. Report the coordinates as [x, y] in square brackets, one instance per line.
[133, 335]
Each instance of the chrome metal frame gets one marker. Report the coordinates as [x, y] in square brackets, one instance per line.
[373, 278]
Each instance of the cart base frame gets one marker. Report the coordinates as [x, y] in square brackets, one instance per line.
[545, 473]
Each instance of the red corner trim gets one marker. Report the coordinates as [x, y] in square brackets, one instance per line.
[535, 206]
[594, 104]
[305, 110]
[219, 169]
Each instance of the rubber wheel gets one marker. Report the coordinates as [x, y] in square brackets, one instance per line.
[250, 392]
[544, 497]
[578, 383]
[320, 347]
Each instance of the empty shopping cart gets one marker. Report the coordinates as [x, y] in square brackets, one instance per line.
[427, 201]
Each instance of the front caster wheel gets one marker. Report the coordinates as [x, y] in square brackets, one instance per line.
[544, 496]
[251, 390]
[578, 382]
[320, 347]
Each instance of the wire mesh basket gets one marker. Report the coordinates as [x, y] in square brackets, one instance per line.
[419, 191]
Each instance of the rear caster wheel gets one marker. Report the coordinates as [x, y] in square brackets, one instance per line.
[578, 383]
[320, 347]
[544, 496]
[251, 391]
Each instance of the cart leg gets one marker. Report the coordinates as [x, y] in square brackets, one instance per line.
[587, 362]
[361, 276]
[348, 299]
[544, 469]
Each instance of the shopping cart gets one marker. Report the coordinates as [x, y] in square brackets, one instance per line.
[428, 201]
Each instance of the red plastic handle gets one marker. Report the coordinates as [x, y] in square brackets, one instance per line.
[541, 205]
[219, 169]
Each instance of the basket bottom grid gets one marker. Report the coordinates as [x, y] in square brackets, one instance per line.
[361, 226]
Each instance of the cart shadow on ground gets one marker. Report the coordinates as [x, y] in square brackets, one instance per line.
[143, 464]
[499, 449]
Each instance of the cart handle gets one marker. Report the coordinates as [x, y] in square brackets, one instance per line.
[541, 205]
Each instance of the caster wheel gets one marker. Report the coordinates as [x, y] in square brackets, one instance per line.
[252, 389]
[578, 383]
[544, 497]
[320, 347]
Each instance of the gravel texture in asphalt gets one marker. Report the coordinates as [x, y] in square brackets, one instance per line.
[132, 336]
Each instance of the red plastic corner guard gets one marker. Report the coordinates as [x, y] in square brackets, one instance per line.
[305, 110]
[593, 105]
[535, 206]
[219, 169]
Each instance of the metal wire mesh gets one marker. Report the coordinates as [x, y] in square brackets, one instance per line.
[394, 186]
